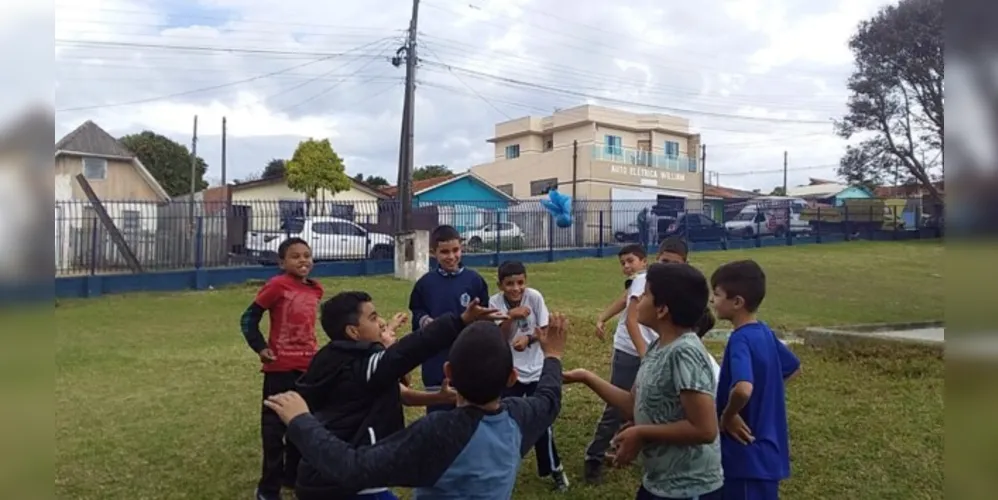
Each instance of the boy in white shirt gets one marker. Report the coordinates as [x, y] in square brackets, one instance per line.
[527, 316]
[630, 342]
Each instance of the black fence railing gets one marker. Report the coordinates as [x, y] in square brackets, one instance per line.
[179, 235]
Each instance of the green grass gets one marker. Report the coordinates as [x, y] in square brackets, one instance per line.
[157, 396]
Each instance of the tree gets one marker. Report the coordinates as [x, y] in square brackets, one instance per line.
[168, 161]
[778, 191]
[372, 180]
[316, 167]
[430, 172]
[275, 169]
[897, 97]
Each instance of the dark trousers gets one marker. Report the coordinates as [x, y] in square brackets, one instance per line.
[545, 450]
[644, 494]
[623, 371]
[280, 459]
[750, 489]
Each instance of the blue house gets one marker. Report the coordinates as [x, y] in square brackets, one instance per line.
[465, 201]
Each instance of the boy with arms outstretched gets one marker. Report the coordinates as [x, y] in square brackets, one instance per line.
[528, 316]
[447, 289]
[353, 384]
[291, 299]
[630, 341]
[672, 404]
[751, 400]
[470, 452]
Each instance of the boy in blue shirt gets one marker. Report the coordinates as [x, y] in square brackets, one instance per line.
[751, 397]
[448, 289]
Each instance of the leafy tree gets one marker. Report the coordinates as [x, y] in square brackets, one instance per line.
[275, 169]
[168, 161]
[316, 167]
[430, 172]
[372, 180]
[778, 191]
[897, 96]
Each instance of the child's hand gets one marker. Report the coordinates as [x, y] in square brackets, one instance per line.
[737, 429]
[267, 356]
[576, 376]
[387, 338]
[553, 337]
[475, 312]
[447, 394]
[397, 321]
[425, 320]
[519, 312]
[601, 330]
[287, 405]
[628, 443]
[521, 343]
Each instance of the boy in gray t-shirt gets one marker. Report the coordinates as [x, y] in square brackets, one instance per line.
[527, 315]
[672, 403]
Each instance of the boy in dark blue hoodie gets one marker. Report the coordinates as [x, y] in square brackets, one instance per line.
[353, 382]
[448, 289]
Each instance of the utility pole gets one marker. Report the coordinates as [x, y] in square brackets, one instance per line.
[223, 152]
[406, 151]
[194, 168]
[703, 178]
[785, 158]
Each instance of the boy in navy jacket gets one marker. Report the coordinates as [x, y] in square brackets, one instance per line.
[472, 451]
[448, 289]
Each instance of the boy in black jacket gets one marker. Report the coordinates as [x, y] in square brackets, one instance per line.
[353, 382]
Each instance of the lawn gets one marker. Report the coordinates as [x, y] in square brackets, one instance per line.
[157, 395]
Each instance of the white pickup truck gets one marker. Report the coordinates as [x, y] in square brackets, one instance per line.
[331, 238]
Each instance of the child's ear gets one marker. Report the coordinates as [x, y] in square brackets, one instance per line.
[447, 370]
[513, 378]
[352, 332]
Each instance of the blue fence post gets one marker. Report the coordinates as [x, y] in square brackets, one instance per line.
[599, 247]
[550, 238]
[790, 226]
[498, 239]
[200, 275]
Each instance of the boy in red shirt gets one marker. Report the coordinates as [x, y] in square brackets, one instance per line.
[292, 300]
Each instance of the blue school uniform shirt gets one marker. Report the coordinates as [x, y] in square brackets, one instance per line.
[438, 293]
[755, 355]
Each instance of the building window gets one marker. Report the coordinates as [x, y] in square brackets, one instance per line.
[512, 151]
[95, 168]
[542, 186]
[671, 149]
[614, 145]
[131, 221]
[548, 145]
[506, 188]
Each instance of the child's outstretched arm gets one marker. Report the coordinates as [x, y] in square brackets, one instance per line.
[612, 395]
[612, 310]
[412, 397]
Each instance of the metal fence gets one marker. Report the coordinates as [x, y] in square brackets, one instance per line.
[182, 235]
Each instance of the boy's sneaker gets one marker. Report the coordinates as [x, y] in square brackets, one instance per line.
[593, 472]
[560, 480]
[267, 495]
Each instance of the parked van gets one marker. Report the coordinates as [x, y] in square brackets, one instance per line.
[768, 216]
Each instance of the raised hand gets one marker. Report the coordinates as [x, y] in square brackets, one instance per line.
[475, 312]
[553, 337]
[576, 376]
[397, 321]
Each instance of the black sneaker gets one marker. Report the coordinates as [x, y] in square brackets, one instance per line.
[593, 472]
[267, 495]
[560, 480]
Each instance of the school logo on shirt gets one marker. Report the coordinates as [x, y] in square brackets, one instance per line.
[465, 299]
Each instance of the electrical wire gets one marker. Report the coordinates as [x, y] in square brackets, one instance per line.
[472, 89]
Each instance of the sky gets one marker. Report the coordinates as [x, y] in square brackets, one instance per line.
[755, 77]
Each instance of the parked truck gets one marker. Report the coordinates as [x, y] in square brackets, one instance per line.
[331, 238]
[853, 216]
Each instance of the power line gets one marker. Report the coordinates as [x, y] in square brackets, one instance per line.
[469, 87]
[196, 48]
[214, 87]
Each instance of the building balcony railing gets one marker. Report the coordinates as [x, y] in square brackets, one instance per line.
[631, 156]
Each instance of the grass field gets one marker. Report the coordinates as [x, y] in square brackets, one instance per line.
[157, 395]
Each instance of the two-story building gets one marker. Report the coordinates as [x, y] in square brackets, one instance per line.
[596, 153]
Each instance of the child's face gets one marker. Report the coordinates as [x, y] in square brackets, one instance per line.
[297, 261]
[448, 254]
[631, 264]
[671, 258]
[369, 325]
[513, 286]
[725, 307]
[648, 314]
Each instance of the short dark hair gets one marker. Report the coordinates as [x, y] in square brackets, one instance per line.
[706, 323]
[282, 249]
[680, 287]
[633, 249]
[676, 245]
[480, 363]
[340, 311]
[741, 278]
[443, 233]
[511, 268]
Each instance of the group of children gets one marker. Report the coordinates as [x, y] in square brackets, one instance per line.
[333, 424]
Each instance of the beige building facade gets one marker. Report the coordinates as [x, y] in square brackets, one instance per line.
[596, 153]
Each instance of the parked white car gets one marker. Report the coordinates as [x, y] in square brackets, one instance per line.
[331, 238]
[490, 233]
[768, 218]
